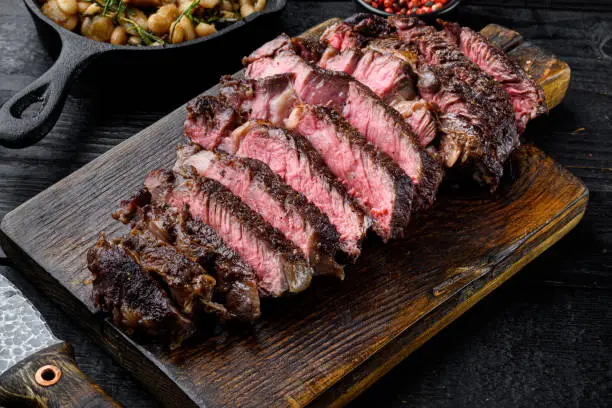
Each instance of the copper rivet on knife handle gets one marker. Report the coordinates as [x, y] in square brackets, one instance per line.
[48, 375]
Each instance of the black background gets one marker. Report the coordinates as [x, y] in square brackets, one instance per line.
[543, 339]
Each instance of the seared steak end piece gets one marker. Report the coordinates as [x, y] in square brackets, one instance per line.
[527, 97]
[136, 302]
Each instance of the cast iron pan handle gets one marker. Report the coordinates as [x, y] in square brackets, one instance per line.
[50, 90]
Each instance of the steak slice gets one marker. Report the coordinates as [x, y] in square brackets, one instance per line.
[236, 285]
[277, 203]
[187, 282]
[213, 115]
[298, 164]
[476, 114]
[377, 183]
[390, 78]
[277, 262]
[270, 99]
[527, 97]
[366, 112]
[136, 302]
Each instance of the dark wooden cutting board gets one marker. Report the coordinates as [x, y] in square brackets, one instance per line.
[325, 346]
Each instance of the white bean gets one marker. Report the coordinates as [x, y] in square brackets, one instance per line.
[259, 5]
[178, 35]
[119, 36]
[187, 28]
[203, 29]
[246, 10]
[69, 7]
[158, 23]
[208, 4]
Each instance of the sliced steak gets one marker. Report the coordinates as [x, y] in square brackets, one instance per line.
[377, 183]
[297, 163]
[236, 285]
[527, 97]
[277, 262]
[270, 99]
[210, 120]
[277, 203]
[380, 124]
[187, 282]
[136, 302]
[476, 114]
[390, 77]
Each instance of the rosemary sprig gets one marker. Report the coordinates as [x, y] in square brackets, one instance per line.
[121, 8]
[144, 35]
[187, 12]
[107, 5]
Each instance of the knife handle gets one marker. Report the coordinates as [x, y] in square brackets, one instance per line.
[50, 378]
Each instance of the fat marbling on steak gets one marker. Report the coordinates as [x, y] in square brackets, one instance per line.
[277, 262]
[264, 192]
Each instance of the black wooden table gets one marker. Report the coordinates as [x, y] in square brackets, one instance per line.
[542, 339]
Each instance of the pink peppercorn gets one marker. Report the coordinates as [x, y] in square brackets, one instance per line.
[408, 7]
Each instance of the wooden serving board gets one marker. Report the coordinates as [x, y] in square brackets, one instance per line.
[325, 346]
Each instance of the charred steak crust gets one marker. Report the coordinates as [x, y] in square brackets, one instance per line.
[213, 114]
[403, 186]
[187, 282]
[235, 280]
[135, 301]
[297, 274]
[527, 97]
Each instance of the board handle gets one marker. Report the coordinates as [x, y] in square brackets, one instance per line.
[51, 378]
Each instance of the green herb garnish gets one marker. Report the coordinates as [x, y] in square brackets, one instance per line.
[186, 13]
[144, 35]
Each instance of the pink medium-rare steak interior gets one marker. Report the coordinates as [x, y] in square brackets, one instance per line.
[210, 120]
[379, 186]
[385, 75]
[295, 160]
[270, 99]
[264, 192]
[272, 257]
[385, 129]
[299, 165]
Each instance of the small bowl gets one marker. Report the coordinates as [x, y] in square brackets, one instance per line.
[450, 6]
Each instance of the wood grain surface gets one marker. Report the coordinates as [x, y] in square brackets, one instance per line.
[327, 345]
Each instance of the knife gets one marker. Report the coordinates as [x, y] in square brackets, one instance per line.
[36, 368]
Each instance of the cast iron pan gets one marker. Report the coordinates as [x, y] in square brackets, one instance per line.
[51, 89]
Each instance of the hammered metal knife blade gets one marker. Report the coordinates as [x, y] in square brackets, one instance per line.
[36, 368]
